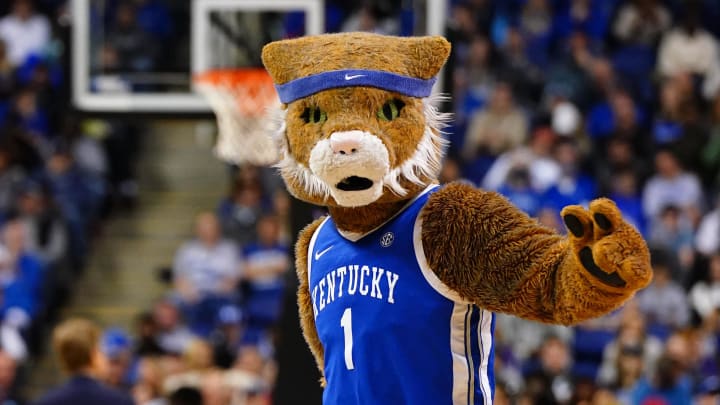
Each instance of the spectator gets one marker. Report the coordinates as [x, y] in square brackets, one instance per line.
[551, 381]
[24, 31]
[478, 71]
[535, 21]
[544, 170]
[623, 191]
[146, 332]
[673, 233]
[664, 303]
[617, 116]
[632, 354]
[677, 126]
[618, 155]
[116, 346]
[46, 235]
[239, 212]
[77, 344]
[136, 51]
[670, 186]
[571, 76]
[205, 272]
[572, 186]
[171, 334]
[707, 238]
[198, 363]
[11, 180]
[32, 119]
[148, 388]
[518, 189]
[688, 48]
[667, 387]
[705, 294]
[499, 128]
[266, 263]
[23, 293]
[524, 74]
[641, 22]
[78, 196]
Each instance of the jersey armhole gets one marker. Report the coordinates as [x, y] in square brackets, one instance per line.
[311, 247]
[430, 277]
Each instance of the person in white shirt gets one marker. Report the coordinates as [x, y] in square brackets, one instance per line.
[705, 295]
[24, 31]
[671, 185]
[707, 238]
[688, 48]
[641, 22]
[207, 265]
[544, 170]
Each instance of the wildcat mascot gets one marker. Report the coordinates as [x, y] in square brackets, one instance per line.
[398, 285]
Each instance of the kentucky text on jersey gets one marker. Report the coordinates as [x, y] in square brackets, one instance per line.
[371, 281]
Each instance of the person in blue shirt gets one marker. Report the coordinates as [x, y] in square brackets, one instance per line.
[669, 387]
[572, 186]
[266, 262]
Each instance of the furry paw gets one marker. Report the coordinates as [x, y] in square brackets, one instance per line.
[612, 252]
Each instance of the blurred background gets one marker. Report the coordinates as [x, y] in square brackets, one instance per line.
[114, 208]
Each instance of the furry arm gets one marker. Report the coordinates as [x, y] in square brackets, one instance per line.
[307, 318]
[491, 253]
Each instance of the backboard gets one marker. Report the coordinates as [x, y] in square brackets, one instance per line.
[143, 59]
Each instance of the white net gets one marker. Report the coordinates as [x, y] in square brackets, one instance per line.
[241, 103]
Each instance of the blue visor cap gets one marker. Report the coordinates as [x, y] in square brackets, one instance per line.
[309, 85]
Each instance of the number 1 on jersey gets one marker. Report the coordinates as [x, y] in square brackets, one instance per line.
[346, 324]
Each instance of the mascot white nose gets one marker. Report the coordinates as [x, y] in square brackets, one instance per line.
[345, 143]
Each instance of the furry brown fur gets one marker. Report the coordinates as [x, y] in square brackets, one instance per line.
[307, 319]
[476, 242]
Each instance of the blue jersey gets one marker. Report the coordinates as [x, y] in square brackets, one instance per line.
[391, 331]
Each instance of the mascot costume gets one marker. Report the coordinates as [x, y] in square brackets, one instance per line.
[398, 285]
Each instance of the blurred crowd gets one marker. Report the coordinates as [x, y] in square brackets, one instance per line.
[60, 176]
[212, 337]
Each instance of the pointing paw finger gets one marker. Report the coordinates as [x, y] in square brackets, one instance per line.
[578, 222]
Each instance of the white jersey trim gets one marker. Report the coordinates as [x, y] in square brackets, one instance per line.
[427, 272]
[462, 373]
[311, 247]
[355, 236]
[485, 340]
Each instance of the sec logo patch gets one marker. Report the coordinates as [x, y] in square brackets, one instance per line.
[387, 239]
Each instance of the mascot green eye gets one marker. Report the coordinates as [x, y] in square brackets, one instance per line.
[390, 110]
[314, 115]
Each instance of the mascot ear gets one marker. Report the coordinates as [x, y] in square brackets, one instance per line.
[276, 56]
[426, 56]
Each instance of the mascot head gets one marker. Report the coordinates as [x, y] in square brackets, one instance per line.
[358, 126]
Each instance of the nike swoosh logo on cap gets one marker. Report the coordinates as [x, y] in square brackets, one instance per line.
[322, 252]
[350, 77]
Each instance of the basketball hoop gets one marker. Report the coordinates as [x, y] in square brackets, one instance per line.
[241, 99]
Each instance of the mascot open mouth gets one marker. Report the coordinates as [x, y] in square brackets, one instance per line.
[354, 183]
